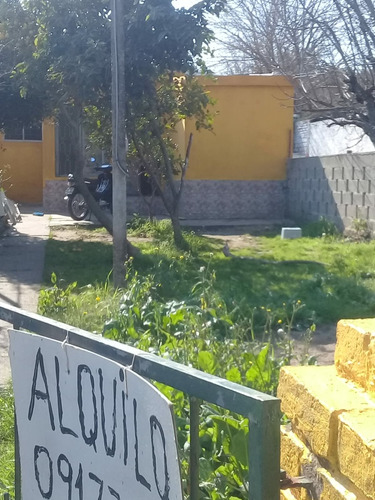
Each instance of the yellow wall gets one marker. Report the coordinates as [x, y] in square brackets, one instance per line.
[252, 139]
[252, 131]
[22, 162]
[28, 165]
[48, 154]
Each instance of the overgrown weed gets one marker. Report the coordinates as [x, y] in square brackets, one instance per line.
[229, 317]
[244, 345]
[6, 441]
[320, 228]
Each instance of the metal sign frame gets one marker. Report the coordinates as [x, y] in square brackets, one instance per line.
[262, 410]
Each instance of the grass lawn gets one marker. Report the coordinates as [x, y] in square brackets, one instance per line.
[340, 285]
[6, 442]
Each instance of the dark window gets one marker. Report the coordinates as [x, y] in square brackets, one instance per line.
[64, 148]
[13, 133]
[19, 132]
[145, 182]
[33, 132]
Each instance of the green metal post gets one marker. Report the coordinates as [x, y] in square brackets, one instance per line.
[264, 452]
[194, 448]
[17, 489]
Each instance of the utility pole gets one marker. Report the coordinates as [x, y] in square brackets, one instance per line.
[118, 143]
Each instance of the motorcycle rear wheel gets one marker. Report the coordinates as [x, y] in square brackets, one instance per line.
[77, 206]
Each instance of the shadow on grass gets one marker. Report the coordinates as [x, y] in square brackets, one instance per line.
[328, 296]
[82, 261]
[261, 230]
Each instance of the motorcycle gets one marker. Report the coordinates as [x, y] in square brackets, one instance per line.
[100, 188]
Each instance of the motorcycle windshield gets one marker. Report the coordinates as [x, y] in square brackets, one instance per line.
[102, 186]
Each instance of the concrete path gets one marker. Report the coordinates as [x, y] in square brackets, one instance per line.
[21, 270]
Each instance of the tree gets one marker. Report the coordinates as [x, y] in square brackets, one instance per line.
[14, 106]
[350, 28]
[326, 48]
[152, 123]
[67, 69]
[264, 36]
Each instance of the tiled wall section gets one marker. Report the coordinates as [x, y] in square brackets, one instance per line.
[234, 200]
[224, 200]
[340, 188]
[202, 200]
[53, 197]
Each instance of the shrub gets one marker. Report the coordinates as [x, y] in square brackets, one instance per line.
[359, 231]
[242, 344]
[319, 228]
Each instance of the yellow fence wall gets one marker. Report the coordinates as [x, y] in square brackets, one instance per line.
[251, 141]
[253, 127]
[21, 163]
[27, 164]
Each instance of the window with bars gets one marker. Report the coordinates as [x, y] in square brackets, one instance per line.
[22, 132]
[64, 148]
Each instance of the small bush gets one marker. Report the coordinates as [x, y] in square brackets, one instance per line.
[359, 231]
[140, 226]
[319, 228]
[146, 228]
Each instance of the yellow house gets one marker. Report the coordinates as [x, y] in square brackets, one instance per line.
[27, 162]
[239, 170]
[236, 171]
[252, 136]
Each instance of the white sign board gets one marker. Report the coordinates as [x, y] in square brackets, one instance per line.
[88, 427]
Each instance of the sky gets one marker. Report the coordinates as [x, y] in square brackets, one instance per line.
[184, 3]
[211, 62]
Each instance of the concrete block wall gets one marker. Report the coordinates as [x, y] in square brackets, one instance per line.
[331, 435]
[340, 188]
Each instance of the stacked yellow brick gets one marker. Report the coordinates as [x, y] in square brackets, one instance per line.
[331, 437]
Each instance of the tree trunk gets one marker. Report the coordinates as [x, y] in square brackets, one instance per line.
[103, 217]
[178, 237]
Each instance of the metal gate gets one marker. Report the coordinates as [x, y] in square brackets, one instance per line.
[262, 410]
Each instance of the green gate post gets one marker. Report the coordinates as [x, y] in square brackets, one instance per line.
[264, 451]
[17, 465]
[194, 448]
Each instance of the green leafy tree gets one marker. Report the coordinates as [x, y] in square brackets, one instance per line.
[63, 65]
[15, 107]
[152, 125]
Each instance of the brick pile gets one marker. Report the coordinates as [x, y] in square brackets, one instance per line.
[331, 435]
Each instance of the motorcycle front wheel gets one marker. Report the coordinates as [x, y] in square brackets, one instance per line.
[77, 207]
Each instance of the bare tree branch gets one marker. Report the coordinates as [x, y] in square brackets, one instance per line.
[325, 48]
